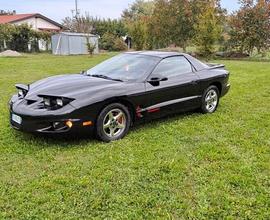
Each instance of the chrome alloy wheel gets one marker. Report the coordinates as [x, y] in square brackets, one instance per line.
[114, 123]
[211, 100]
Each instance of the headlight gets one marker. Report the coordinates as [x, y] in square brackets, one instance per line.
[60, 102]
[47, 101]
[54, 103]
[20, 93]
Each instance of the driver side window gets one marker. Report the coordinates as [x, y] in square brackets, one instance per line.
[173, 66]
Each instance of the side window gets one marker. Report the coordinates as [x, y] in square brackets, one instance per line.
[173, 66]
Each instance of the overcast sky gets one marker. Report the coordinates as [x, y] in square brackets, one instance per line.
[59, 9]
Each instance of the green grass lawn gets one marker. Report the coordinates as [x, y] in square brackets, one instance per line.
[188, 166]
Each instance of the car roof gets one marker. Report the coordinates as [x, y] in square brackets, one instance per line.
[164, 54]
[160, 54]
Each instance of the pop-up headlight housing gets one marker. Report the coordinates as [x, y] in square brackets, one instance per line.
[54, 103]
[22, 90]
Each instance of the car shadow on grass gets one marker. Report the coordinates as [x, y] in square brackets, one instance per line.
[71, 141]
[166, 119]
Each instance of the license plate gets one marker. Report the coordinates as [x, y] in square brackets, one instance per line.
[16, 118]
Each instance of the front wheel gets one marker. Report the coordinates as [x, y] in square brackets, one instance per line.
[113, 122]
[210, 100]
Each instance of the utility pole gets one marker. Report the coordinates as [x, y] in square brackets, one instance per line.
[76, 8]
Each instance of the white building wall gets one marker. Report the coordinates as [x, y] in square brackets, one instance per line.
[43, 24]
[31, 22]
[38, 23]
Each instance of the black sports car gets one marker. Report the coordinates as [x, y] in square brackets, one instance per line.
[128, 88]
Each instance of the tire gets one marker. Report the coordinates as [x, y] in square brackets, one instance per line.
[211, 94]
[113, 122]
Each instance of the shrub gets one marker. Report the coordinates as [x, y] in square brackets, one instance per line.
[112, 43]
[6, 31]
[119, 45]
[90, 47]
[18, 37]
[107, 41]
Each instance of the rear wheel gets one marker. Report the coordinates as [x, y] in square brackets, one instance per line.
[210, 100]
[113, 122]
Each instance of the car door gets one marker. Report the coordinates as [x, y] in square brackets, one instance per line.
[172, 87]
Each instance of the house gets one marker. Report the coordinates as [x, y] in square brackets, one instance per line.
[37, 21]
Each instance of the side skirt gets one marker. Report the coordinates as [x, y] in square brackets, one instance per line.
[157, 107]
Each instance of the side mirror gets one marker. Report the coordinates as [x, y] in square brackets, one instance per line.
[156, 79]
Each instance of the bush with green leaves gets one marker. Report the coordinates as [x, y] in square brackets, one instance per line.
[111, 42]
[119, 44]
[107, 41]
[90, 46]
[19, 37]
[6, 31]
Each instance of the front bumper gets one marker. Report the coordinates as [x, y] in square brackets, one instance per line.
[50, 125]
[31, 122]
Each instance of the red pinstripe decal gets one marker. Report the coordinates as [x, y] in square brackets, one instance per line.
[153, 110]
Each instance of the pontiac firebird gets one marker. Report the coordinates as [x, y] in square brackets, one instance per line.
[109, 98]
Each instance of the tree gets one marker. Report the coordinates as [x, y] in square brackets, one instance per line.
[159, 23]
[137, 20]
[208, 28]
[249, 27]
[138, 31]
[181, 22]
[80, 24]
[113, 26]
[138, 9]
[160, 26]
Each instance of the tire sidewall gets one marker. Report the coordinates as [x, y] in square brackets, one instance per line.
[203, 107]
[99, 126]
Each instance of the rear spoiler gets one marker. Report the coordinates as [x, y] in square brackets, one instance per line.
[215, 66]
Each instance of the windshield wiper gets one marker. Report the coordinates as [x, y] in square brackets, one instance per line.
[105, 77]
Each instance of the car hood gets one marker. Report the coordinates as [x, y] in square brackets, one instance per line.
[70, 86]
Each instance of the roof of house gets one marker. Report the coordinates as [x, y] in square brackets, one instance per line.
[4, 19]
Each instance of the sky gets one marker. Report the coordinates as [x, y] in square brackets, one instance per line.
[59, 9]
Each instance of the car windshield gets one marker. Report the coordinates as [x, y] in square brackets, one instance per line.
[125, 67]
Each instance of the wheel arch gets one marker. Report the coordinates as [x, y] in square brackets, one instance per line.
[123, 101]
[218, 85]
